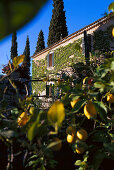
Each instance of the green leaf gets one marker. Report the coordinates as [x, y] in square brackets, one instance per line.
[41, 168]
[81, 168]
[15, 14]
[76, 97]
[78, 105]
[100, 136]
[32, 131]
[97, 159]
[17, 60]
[99, 85]
[52, 144]
[111, 7]
[37, 128]
[112, 65]
[78, 162]
[110, 148]
[13, 84]
[101, 110]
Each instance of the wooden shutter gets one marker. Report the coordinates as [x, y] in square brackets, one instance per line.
[50, 60]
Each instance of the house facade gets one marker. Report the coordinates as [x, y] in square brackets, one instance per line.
[51, 61]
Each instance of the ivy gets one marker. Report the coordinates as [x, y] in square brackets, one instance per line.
[102, 39]
[63, 57]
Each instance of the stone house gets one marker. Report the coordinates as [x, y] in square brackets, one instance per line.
[59, 56]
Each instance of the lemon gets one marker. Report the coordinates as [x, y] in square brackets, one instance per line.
[70, 138]
[74, 102]
[113, 32]
[89, 110]
[80, 150]
[110, 98]
[22, 119]
[82, 134]
[56, 113]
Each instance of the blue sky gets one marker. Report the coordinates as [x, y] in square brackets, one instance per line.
[78, 15]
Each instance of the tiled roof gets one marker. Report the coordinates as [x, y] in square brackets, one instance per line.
[88, 27]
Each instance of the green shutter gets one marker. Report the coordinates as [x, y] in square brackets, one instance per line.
[47, 90]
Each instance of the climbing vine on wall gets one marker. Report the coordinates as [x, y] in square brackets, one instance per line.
[102, 39]
[64, 57]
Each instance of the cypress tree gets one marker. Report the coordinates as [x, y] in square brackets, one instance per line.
[40, 43]
[14, 52]
[26, 62]
[57, 28]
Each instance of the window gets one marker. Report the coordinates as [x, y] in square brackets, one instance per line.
[50, 60]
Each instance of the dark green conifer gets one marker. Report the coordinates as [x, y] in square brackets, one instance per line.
[57, 28]
[40, 43]
[14, 52]
[26, 62]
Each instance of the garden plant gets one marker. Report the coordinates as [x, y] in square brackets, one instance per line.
[82, 118]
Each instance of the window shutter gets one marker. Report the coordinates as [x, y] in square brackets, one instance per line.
[47, 90]
[89, 42]
[53, 90]
[48, 60]
[83, 46]
[53, 60]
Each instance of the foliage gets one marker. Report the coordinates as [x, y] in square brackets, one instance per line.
[18, 60]
[102, 39]
[64, 57]
[35, 130]
[57, 28]
[35, 138]
[26, 62]
[14, 52]
[40, 43]
[111, 7]
[15, 14]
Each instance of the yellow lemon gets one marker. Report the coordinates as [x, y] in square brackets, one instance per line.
[74, 102]
[113, 32]
[82, 134]
[110, 98]
[22, 119]
[89, 110]
[70, 138]
[80, 150]
[58, 144]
